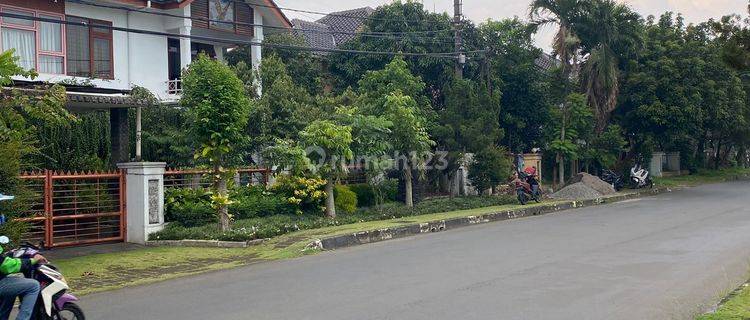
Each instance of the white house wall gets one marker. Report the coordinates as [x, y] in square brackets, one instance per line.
[141, 59]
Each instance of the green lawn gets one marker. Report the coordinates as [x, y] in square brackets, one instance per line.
[702, 177]
[736, 308]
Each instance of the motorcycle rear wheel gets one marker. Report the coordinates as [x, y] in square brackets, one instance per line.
[71, 311]
[521, 197]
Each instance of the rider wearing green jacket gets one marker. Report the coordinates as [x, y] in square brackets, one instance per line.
[12, 286]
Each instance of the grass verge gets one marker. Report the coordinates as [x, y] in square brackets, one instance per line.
[702, 177]
[736, 308]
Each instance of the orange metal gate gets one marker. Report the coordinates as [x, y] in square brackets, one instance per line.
[75, 208]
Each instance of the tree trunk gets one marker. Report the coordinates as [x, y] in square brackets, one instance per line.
[451, 184]
[330, 201]
[561, 169]
[220, 184]
[740, 158]
[717, 155]
[554, 176]
[408, 199]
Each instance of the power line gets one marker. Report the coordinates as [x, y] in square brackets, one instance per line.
[246, 24]
[449, 55]
[330, 14]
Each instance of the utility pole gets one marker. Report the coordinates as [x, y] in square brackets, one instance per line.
[460, 57]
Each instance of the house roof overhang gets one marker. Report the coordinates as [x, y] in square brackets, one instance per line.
[270, 10]
[80, 99]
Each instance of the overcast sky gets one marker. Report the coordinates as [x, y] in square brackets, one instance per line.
[480, 10]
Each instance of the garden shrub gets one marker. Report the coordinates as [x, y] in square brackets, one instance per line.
[346, 199]
[305, 193]
[255, 201]
[365, 194]
[189, 207]
[368, 195]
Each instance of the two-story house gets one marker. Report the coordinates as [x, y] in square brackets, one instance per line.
[110, 61]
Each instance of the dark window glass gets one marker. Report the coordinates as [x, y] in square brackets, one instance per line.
[89, 49]
[79, 60]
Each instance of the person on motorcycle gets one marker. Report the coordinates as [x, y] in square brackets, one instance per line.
[532, 180]
[12, 286]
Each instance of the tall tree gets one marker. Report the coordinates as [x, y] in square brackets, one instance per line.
[468, 123]
[526, 88]
[563, 14]
[332, 151]
[609, 32]
[218, 107]
[409, 137]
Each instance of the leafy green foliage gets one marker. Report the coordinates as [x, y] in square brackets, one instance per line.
[189, 207]
[679, 94]
[526, 90]
[346, 199]
[491, 167]
[20, 113]
[347, 69]
[306, 194]
[218, 108]
[331, 147]
[395, 77]
[281, 112]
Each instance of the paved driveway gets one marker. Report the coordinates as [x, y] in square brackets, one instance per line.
[663, 257]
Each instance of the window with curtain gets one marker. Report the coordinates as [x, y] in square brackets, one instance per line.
[38, 45]
[24, 44]
[89, 49]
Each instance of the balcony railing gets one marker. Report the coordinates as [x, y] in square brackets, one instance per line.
[174, 86]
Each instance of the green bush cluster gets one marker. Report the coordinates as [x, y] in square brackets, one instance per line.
[346, 199]
[279, 224]
[189, 207]
[368, 195]
[255, 202]
[192, 207]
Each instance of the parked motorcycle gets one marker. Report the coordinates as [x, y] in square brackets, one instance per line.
[527, 187]
[613, 179]
[640, 177]
[53, 303]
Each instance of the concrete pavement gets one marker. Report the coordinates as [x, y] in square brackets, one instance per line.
[663, 257]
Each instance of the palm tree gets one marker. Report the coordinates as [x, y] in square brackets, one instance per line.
[609, 31]
[562, 13]
[565, 46]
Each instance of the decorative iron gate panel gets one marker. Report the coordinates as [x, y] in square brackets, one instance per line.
[75, 208]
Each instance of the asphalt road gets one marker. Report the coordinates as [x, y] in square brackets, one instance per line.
[664, 257]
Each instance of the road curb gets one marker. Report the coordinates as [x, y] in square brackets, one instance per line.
[379, 235]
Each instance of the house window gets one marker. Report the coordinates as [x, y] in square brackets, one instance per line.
[223, 11]
[89, 49]
[37, 44]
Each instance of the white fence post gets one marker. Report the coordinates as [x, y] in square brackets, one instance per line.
[144, 188]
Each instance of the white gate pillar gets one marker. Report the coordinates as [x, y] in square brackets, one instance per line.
[144, 191]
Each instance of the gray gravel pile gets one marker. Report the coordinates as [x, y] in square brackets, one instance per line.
[594, 183]
[576, 191]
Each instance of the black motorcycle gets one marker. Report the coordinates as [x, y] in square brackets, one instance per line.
[613, 179]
